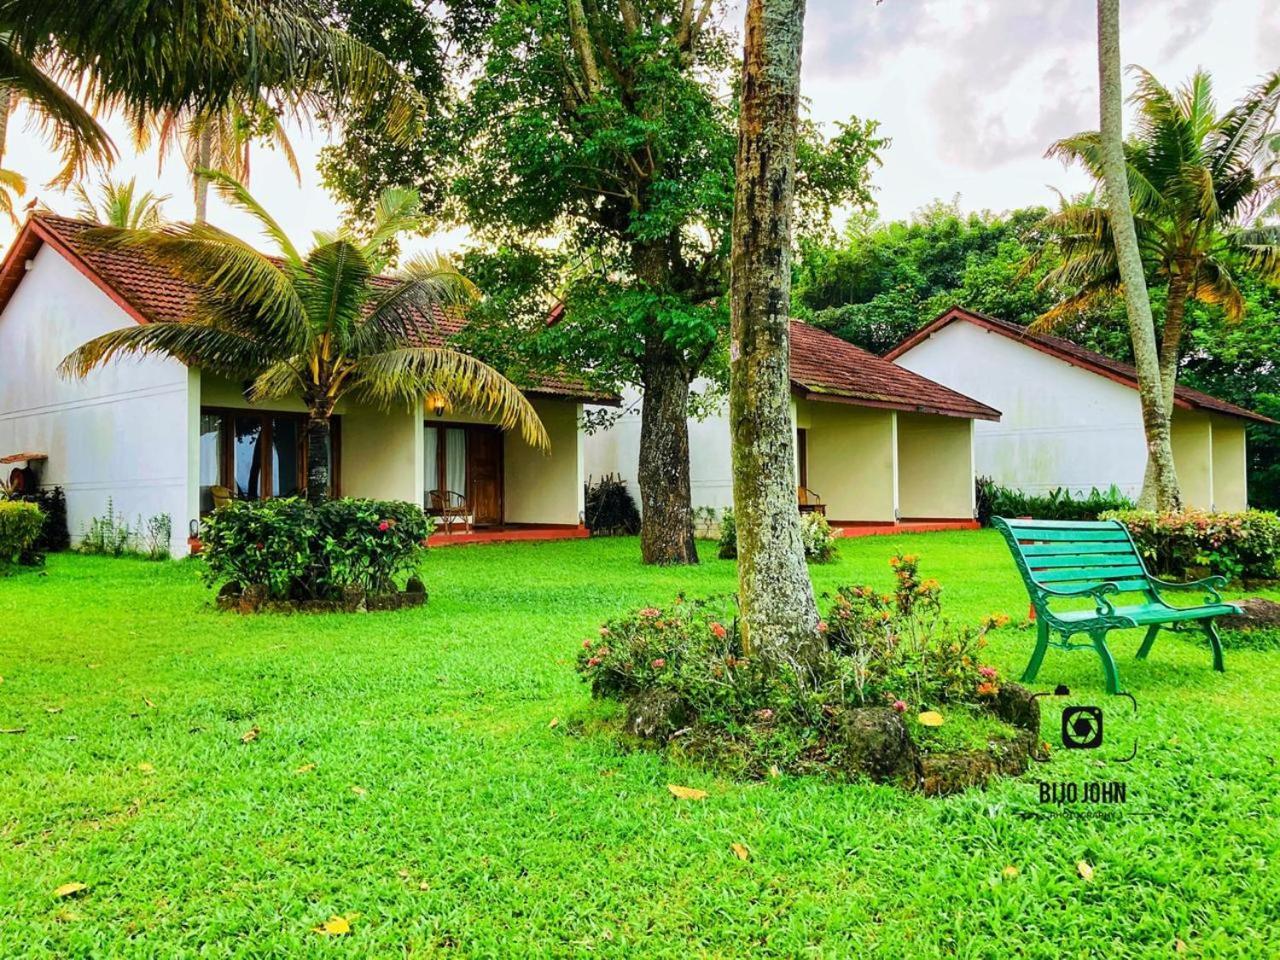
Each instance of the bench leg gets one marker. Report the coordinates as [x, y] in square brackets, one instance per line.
[1042, 644]
[1211, 631]
[1099, 638]
[1148, 640]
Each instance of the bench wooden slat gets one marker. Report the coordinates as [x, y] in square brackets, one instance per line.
[1055, 549]
[1089, 560]
[1124, 586]
[1073, 536]
[1088, 574]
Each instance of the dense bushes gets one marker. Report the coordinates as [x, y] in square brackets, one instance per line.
[997, 501]
[610, 508]
[20, 527]
[54, 535]
[687, 678]
[1234, 545]
[301, 551]
[816, 533]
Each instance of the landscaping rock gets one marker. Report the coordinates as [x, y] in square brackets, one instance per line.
[252, 598]
[353, 599]
[943, 774]
[656, 715]
[1256, 613]
[874, 741]
[229, 596]
[1016, 706]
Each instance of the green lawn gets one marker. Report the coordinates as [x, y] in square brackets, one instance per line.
[447, 811]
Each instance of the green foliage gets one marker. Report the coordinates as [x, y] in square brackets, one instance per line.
[815, 532]
[882, 281]
[610, 508]
[52, 502]
[1058, 504]
[304, 551]
[884, 650]
[1233, 545]
[20, 527]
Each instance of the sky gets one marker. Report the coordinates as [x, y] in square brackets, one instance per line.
[970, 93]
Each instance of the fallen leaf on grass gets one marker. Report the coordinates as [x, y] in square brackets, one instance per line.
[52, 709]
[70, 889]
[305, 768]
[359, 791]
[555, 722]
[931, 718]
[740, 851]
[1085, 870]
[1009, 872]
[424, 885]
[1179, 947]
[686, 793]
[148, 701]
[146, 768]
[333, 927]
[14, 730]
[251, 734]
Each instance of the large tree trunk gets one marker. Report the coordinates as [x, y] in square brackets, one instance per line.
[666, 524]
[204, 156]
[780, 617]
[1160, 488]
[6, 105]
[318, 458]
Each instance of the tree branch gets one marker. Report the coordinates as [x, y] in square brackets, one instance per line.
[580, 35]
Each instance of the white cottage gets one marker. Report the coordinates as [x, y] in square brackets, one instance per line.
[877, 446]
[155, 437]
[1071, 417]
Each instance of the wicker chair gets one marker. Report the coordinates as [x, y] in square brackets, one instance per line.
[451, 507]
[221, 496]
[810, 502]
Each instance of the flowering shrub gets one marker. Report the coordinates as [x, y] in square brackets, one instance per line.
[301, 551]
[815, 533]
[1245, 544]
[20, 527]
[896, 648]
[884, 650]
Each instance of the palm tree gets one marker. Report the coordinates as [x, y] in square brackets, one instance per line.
[1199, 181]
[218, 140]
[12, 185]
[322, 326]
[145, 57]
[120, 205]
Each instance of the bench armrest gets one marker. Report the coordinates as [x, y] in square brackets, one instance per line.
[1098, 591]
[1210, 586]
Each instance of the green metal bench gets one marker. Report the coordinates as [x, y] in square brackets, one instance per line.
[1062, 559]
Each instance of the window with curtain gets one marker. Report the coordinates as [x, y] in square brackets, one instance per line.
[445, 463]
[286, 457]
[210, 458]
[455, 460]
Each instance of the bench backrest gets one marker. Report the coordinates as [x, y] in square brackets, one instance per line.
[1073, 554]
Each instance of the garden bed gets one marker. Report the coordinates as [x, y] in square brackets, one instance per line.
[256, 598]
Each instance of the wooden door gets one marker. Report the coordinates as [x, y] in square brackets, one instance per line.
[484, 470]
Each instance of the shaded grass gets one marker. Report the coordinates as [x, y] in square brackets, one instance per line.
[480, 830]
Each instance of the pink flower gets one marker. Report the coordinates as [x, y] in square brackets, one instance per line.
[604, 631]
[384, 526]
[650, 612]
[900, 706]
[586, 644]
[658, 664]
[593, 662]
[988, 672]
[822, 626]
[719, 630]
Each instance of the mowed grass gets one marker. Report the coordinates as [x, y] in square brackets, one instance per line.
[407, 774]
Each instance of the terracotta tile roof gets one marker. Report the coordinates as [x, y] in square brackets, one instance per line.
[1184, 397]
[152, 294]
[824, 367]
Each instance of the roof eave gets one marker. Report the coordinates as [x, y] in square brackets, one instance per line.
[807, 392]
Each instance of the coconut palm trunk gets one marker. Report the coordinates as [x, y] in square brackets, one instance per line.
[780, 616]
[1160, 486]
[319, 454]
[200, 180]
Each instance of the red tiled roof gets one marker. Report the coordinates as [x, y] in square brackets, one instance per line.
[824, 367]
[150, 293]
[1073, 353]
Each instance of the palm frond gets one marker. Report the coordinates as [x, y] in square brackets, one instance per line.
[247, 291]
[1215, 285]
[427, 286]
[334, 286]
[71, 129]
[281, 379]
[219, 351]
[12, 185]
[408, 374]
[398, 211]
[236, 194]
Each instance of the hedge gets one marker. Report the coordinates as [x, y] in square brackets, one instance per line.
[1234, 545]
[20, 527]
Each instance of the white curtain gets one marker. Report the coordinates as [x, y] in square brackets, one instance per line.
[431, 465]
[455, 460]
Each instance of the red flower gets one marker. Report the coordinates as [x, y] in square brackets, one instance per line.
[650, 612]
[586, 644]
[261, 546]
[988, 672]
[658, 664]
[384, 526]
[719, 630]
[900, 706]
[822, 626]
